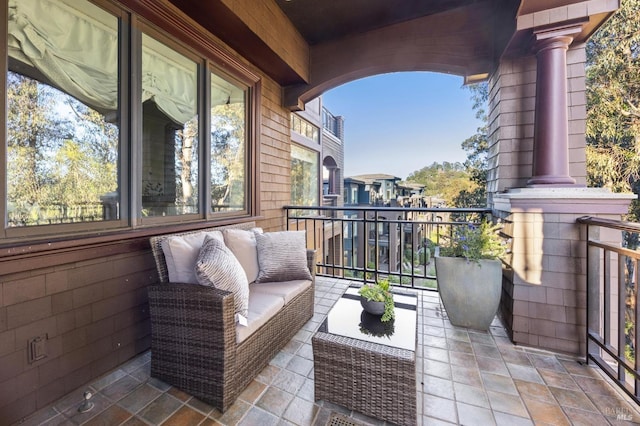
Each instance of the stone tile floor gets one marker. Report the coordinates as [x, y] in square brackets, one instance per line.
[463, 377]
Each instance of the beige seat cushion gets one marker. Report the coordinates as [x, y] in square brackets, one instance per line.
[285, 289]
[262, 306]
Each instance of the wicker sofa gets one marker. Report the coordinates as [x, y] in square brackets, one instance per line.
[194, 340]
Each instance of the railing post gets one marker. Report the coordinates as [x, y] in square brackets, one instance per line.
[593, 291]
[621, 313]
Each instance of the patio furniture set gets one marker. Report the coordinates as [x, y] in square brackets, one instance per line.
[223, 309]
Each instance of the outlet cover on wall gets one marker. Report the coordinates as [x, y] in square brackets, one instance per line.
[38, 348]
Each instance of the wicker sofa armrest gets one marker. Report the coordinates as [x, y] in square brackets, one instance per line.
[193, 338]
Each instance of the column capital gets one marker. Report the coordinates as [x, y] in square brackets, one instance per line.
[555, 37]
[557, 42]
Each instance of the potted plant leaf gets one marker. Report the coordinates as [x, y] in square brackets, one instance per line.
[469, 274]
[377, 299]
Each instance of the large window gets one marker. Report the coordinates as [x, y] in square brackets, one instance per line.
[228, 146]
[107, 126]
[304, 128]
[169, 131]
[304, 176]
[62, 114]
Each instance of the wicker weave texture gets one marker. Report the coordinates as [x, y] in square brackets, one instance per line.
[374, 379]
[193, 339]
[193, 336]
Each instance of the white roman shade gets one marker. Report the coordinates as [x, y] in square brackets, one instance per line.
[74, 45]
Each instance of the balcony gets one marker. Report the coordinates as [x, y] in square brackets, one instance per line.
[463, 377]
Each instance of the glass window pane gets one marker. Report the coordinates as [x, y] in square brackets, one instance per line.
[62, 113]
[169, 131]
[304, 176]
[228, 146]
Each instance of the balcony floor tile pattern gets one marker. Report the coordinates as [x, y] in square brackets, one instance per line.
[463, 377]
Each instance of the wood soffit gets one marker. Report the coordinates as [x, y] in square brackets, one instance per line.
[332, 22]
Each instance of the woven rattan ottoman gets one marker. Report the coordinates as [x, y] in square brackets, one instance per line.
[365, 365]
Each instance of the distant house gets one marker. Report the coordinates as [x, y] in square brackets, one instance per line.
[332, 157]
[411, 194]
[382, 188]
[317, 162]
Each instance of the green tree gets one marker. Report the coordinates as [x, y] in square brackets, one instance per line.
[477, 148]
[228, 155]
[31, 135]
[613, 124]
[444, 180]
[613, 103]
[62, 155]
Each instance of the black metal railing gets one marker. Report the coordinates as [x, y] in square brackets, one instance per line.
[371, 243]
[612, 300]
[331, 123]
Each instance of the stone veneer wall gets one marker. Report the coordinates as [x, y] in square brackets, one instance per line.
[95, 311]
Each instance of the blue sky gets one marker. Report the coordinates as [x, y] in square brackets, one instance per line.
[401, 122]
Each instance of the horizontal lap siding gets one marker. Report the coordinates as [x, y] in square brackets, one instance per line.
[95, 316]
[275, 158]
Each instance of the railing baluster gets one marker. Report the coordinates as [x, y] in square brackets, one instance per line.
[636, 337]
[621, 313]
[607, 292]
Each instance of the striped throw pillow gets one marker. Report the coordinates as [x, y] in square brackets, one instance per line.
[216, 266]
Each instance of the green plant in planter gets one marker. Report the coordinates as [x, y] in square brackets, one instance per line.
[469, 274]
[474, 242]
[380, 292]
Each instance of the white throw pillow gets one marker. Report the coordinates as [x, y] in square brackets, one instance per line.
[282, 256]
[217, 267]
[242, 244]
[181, 252]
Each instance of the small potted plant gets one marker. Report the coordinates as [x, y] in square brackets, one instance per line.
[377, 299]
[469, 274]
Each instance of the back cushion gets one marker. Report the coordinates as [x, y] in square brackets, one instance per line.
[181, 252]
[243, 245]
[282, 256]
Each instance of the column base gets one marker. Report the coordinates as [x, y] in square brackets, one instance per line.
[548, 180]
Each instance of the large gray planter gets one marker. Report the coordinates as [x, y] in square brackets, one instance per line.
[470, 291]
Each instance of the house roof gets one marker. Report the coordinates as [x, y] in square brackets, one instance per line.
[411, 185]
[372, 178]
[352, 180]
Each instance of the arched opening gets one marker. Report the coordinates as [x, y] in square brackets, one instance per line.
[330, 176]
